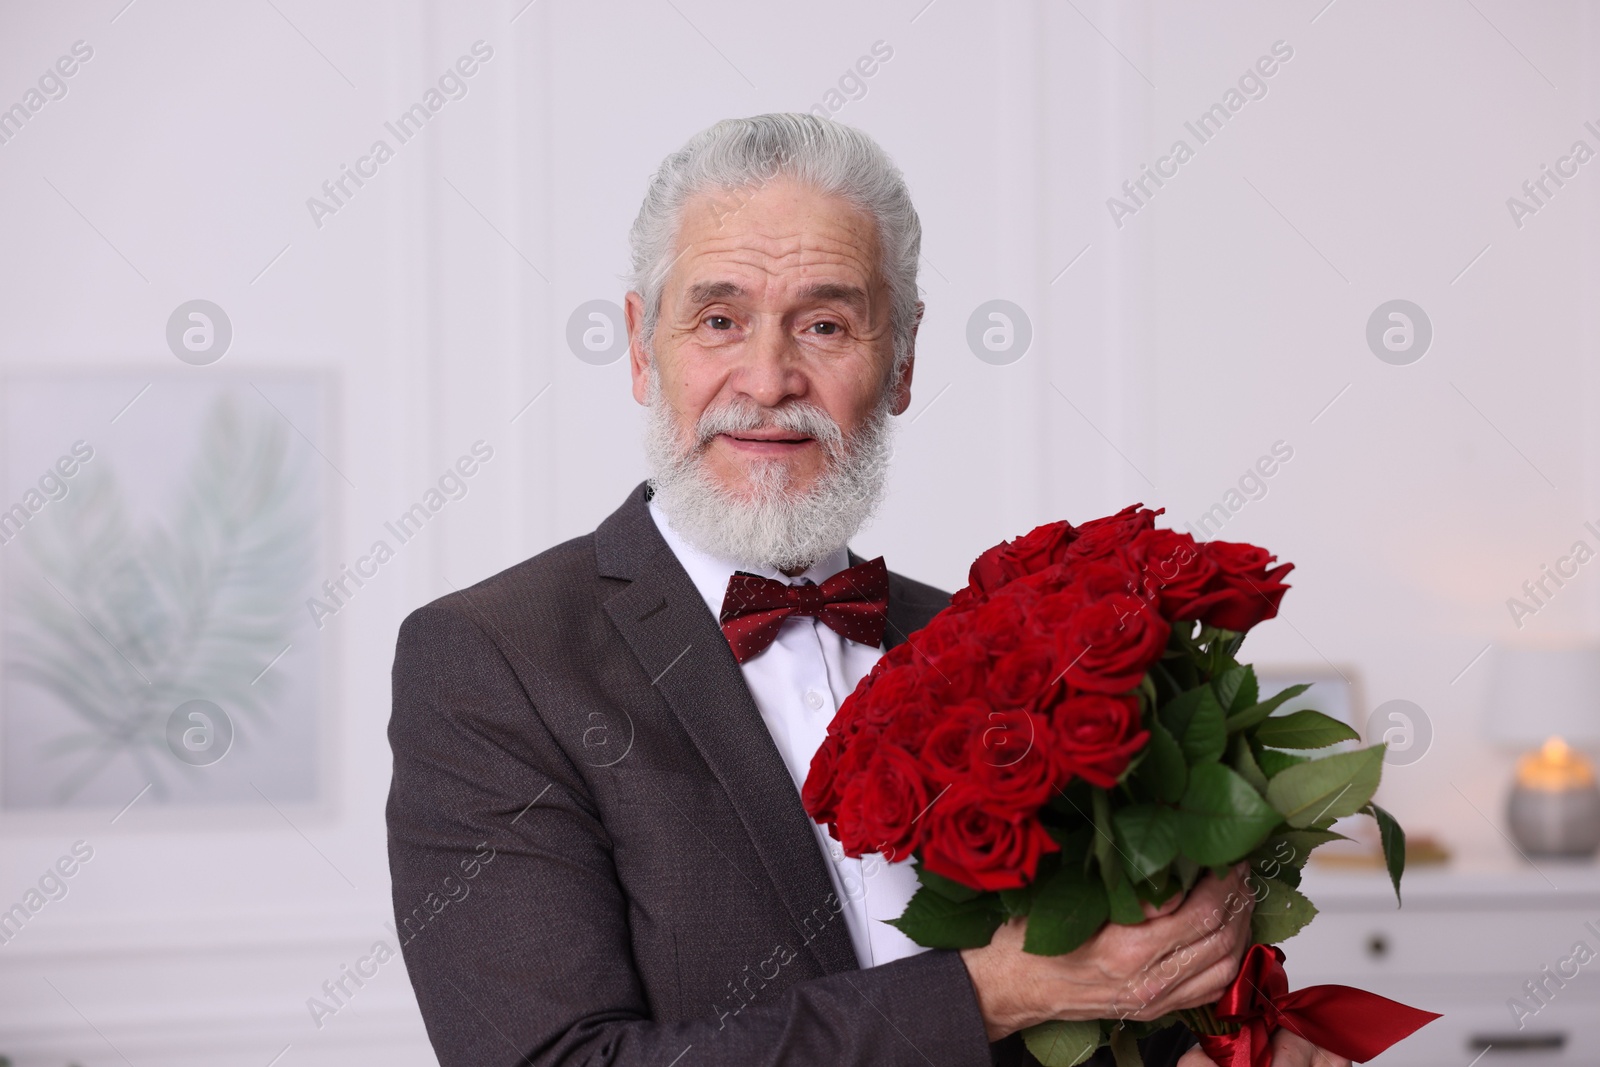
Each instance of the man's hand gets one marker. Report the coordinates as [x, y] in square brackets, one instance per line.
[1288, 1050]
[1291, 1050]
[1185, 955]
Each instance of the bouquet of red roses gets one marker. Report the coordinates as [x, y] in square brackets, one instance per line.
[1073, 737]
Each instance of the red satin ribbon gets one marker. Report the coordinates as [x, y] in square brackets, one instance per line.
[1348, 1022]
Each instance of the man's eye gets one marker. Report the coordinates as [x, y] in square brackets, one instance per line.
[719, 322]
[826, 329]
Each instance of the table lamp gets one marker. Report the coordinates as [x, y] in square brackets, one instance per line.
[1546, 699]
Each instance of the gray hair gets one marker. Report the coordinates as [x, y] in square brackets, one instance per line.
[745, 154]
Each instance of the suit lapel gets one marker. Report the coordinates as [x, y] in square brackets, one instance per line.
[665, 623]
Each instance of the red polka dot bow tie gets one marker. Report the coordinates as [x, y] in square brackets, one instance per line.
[854, 603]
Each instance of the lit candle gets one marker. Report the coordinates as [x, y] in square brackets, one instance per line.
[1554, 808]
[1555, 767]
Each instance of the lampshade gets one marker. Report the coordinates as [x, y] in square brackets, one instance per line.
[1539, 691]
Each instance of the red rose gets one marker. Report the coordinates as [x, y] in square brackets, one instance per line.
[958, 672]
[980, 848]
[939, 636]
[911, 722]
[965, 599]
[1095, 737]
[1041, 546]
[1021, 678]
[1103, 577]
[1010, 560]
[894, 689]
[854, 752]
[1174, 571]
[899, 656]
[948, 751]
[1089, 578]
[1051, 613]
[1244, 591]
[1109, 643]
[998, 624]
[1102, 537]
[1235, 557]
[881, 808]
[1015, 771]
[856, 714]
[820, 793]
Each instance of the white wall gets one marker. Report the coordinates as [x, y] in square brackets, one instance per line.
[1220, 318]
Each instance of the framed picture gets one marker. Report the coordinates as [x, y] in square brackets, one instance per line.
[1335, 690]
[159, 538]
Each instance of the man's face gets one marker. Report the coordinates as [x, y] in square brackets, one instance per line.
[775, 299]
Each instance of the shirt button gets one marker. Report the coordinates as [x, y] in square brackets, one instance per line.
[813, 699]
[836, 851]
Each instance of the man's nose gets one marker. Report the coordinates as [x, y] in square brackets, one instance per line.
[770, 371]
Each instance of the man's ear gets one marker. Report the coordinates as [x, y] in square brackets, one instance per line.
[902, 386]
[638, 350]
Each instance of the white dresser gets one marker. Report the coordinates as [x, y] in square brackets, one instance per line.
[1471, 935]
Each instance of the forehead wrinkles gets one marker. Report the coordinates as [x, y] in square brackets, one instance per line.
[778, 229]
[765, 267]
[777, 254]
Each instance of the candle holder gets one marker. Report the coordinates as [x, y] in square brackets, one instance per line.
[1554, 809]
[1549, 691]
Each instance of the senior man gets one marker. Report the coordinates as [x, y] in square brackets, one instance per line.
[598, 849]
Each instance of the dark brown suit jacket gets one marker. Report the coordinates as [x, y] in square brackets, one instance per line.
[597, 853]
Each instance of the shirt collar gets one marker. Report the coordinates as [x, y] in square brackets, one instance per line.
[710, 574]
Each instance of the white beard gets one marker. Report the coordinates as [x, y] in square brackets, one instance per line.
[770, 524]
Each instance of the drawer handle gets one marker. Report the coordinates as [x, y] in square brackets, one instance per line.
[1547, 1042]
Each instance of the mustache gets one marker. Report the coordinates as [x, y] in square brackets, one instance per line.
[743, 415]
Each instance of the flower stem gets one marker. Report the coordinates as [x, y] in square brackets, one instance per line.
[1203, 1020]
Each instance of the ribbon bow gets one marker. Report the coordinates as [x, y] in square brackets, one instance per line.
[854, 602]
[1348, 1022]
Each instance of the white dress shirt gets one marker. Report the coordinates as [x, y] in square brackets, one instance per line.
[798, 683]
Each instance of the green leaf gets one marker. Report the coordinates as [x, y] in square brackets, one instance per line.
[1255, 713]
[1068, 910]
[1176, 671]
[1176, 713]
[936, 921]
[1147, 835]
[1207, 736]
[1075, 844]
[1327, 788]
[1272, 762]
[1105, 847]
[1281, 911]
[1304, 729]
[1160, 889]
[1249, 691]
[1125, 1048]
[1244, 761]
[1163, 770]
[1394, 845]
[1198, 722]
[1123, 903]
[1291, 848]
[1228, 685]
[1221, 819]
[1187, 870]
[1236, 688]
[945, 887]
[1019, 901]
[1062, 1044]
[1142, 1029]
